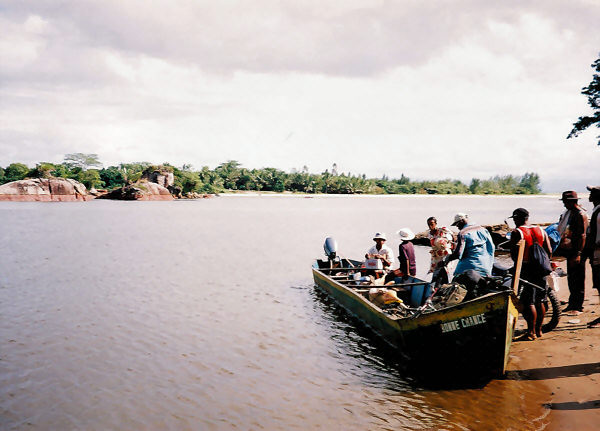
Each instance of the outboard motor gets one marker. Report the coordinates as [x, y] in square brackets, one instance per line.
[330, 246]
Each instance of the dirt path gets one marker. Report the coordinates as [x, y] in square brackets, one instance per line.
[567, 362]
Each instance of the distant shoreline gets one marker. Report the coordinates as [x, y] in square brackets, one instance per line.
[365, 195]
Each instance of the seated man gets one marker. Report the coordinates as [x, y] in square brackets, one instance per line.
[381, 251]
[474, 248]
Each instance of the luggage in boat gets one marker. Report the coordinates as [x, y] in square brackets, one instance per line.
[373, 264]
[449, 294]
[382, 296]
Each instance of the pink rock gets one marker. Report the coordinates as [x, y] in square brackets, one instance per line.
[44, 190]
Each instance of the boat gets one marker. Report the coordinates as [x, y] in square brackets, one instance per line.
[470, 339]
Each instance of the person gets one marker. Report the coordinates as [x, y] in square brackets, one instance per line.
[592, 244]
[381, 251]
[532, 299]
[406, 253]
[441, 240]
[474, 248]
[572, 227]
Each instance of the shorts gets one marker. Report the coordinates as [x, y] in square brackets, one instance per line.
[531, 295]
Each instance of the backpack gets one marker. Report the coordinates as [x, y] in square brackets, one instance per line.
[538, 264]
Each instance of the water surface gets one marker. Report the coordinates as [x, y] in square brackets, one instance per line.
[203, 315]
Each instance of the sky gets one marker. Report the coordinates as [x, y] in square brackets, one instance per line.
[428, 89]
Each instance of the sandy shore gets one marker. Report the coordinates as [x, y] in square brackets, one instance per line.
[564, 366]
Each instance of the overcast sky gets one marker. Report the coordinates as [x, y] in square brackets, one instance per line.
[428, 89]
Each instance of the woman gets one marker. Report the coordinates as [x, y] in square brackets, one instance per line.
[441, 240]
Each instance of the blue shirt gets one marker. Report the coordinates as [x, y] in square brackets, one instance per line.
[475, 249]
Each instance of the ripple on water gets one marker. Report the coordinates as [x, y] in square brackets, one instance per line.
[170, 316]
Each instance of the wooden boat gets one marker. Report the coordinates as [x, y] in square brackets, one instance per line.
[471, 339]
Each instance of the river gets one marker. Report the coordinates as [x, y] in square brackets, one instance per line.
[192, 315]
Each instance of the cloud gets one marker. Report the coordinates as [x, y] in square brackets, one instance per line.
[379, 87]
[358, 38]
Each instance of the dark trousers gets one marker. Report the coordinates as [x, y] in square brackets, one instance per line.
[576, 281]
[596, 277]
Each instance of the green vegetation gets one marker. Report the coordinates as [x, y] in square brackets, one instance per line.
[592, 92]
[231, 176]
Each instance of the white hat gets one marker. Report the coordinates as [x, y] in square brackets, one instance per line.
[379, 235]
[459, 217]
[406, 234]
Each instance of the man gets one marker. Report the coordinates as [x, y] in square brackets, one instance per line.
[572, 227]
[532, 299]
[406, 253]
[381, 251]
[592, 244]
[474, 248]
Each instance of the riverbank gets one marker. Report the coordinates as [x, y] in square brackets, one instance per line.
[564, 367]
[380, 195]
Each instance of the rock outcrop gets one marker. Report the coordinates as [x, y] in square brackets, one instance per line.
[159, 175]
[44, 190]
[140, 191]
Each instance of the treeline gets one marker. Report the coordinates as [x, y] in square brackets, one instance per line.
[231, 176]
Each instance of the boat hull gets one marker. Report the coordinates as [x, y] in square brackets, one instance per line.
[472, 338]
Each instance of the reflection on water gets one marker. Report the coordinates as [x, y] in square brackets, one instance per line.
[203, 315]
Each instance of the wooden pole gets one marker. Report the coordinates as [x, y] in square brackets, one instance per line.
[518, 265]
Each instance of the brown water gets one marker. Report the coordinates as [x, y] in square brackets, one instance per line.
[203, 315]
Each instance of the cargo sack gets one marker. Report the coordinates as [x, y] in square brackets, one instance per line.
[449, 294]
[554, 235]
[383, 296]
[539, 263]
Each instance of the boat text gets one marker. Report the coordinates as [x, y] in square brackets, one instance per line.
[465, 322]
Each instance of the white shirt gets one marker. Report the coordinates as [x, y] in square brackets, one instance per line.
[385, 251]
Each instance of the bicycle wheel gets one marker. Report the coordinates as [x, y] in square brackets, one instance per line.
[552, 312]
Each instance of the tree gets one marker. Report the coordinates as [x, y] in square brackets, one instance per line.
[15, 172]
[42, 170]
[90, 178]
[112, 177]
[132, 172]
[592, 92]
[229, 172]
[83, 161]
[188, 181]
[529, 184]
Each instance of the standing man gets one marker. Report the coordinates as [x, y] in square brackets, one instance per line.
[592, 244]
[406, 253]
[532, 298]
[572, 227]
[474, 248]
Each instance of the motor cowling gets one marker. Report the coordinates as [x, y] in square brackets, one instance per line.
[330, 246]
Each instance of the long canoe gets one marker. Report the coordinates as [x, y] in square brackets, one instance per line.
[471, 339]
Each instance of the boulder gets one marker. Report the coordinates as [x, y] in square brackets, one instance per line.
[159, 175]
[140, 191]
[44, 190]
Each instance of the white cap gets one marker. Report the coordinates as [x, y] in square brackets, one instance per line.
[405, 234]
[459, 217]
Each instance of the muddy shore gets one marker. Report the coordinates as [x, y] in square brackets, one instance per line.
[563, 367]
